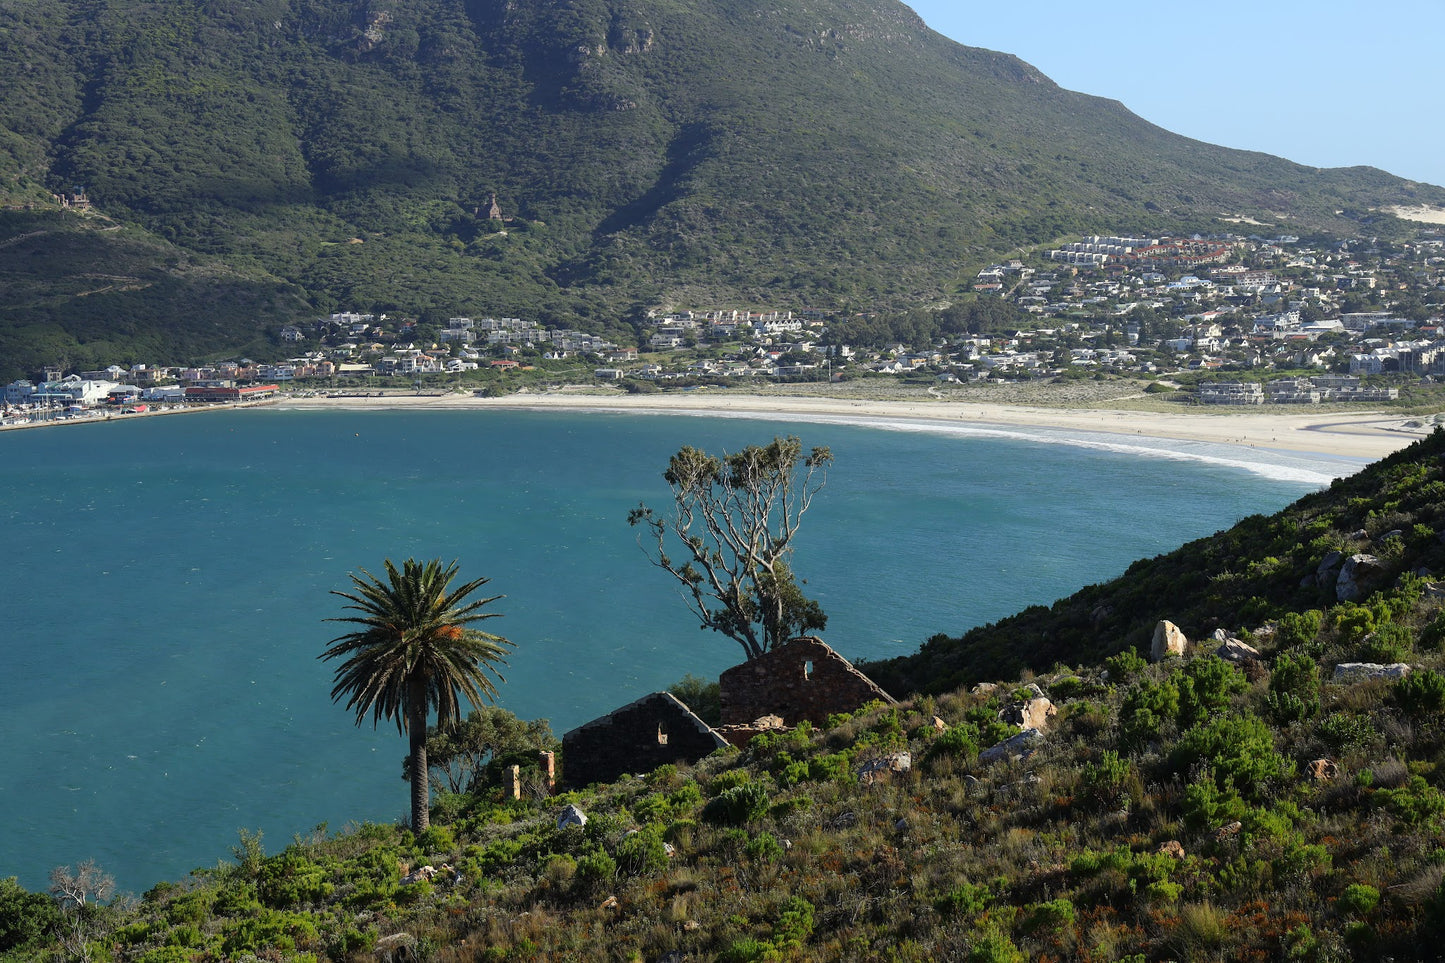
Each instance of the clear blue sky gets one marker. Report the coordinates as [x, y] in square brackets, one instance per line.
[1329, 84]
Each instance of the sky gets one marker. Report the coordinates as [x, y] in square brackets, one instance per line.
[1328, 84]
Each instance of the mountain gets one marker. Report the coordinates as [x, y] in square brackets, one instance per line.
[251, 161]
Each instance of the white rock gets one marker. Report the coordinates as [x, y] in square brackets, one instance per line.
[1169, 642]
[1362, 671]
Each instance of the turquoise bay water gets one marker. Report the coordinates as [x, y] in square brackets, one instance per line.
[167, 581]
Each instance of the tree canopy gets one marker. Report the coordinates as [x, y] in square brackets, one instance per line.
[735, 516]
[415, 650]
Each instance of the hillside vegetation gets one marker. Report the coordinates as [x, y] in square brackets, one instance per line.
[1194, 809]
[312, 156]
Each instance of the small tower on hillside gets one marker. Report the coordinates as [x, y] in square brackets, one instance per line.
[494, 213]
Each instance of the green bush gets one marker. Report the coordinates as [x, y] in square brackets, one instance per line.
[1056, 914]
[292, 880]
[1294, 688]
[1146, 711]
[763, 848]
[1240, 751]
[1415, 803]
[596, 867]
[641, 853]
[1207, 806]
[268, 930]
[1125, 665]
[965, 900]
[24, 916]
[1296, 629]
[730, 779]
[1421, 693]
[1432, 635]
[737, 805]
[994, 946]
[960, 740]
[1391, 642]
[1358, 899]
[1205, 688]
[1110, 784]
[1342, 731]
[436, 839]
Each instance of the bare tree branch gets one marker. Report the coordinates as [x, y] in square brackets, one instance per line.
[735, 517]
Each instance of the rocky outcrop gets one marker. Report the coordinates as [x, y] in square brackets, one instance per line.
[885, 768]
[1014, 748]
[1364, 671]
[1234, 650]
[1169, 642]
[1359, 576]
[1328, 572]
[1032, 713]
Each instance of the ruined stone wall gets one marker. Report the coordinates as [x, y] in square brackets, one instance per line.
[653, 731]
[801, 679]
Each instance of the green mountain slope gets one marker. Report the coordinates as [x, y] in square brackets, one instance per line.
[644, 152]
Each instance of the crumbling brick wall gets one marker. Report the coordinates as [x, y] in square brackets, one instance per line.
[653, 731]
[801, 679]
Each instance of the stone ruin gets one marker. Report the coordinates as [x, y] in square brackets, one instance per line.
[803, 679]
[653, 731]
[800, 679]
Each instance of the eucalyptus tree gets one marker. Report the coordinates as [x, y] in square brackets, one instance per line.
[415, 649]
[735, 517]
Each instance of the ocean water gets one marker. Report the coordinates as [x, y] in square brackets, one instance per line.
[167, 579]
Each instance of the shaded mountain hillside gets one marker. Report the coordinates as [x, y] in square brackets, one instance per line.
[1261, 570]
[642, 153]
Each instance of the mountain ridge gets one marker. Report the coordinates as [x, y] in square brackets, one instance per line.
[837, 155]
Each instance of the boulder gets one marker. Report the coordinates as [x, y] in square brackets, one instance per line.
[1033, 714]
[1329, 569]
[1169, 642]
[1014, 748]
[884, 768]
[1233, 650]
[571, 816]
[1323, 770]
[1359, 576]
[1363, 671]
[1173, 848]
[983, 688]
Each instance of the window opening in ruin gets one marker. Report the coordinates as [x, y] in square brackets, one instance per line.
[661, 734]
[808, 669]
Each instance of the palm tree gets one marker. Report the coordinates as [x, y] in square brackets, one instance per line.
[415, 649]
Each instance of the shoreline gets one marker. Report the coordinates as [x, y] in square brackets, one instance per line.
[1363, 436]
[1367, 436]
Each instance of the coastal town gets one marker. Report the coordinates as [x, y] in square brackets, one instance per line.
[1218, 320]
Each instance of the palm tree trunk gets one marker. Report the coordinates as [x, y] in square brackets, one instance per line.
[420, 787]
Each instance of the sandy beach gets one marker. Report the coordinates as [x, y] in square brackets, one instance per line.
[1367, 435]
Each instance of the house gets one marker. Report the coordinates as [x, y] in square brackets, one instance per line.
[800, 679]
[656, 730]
